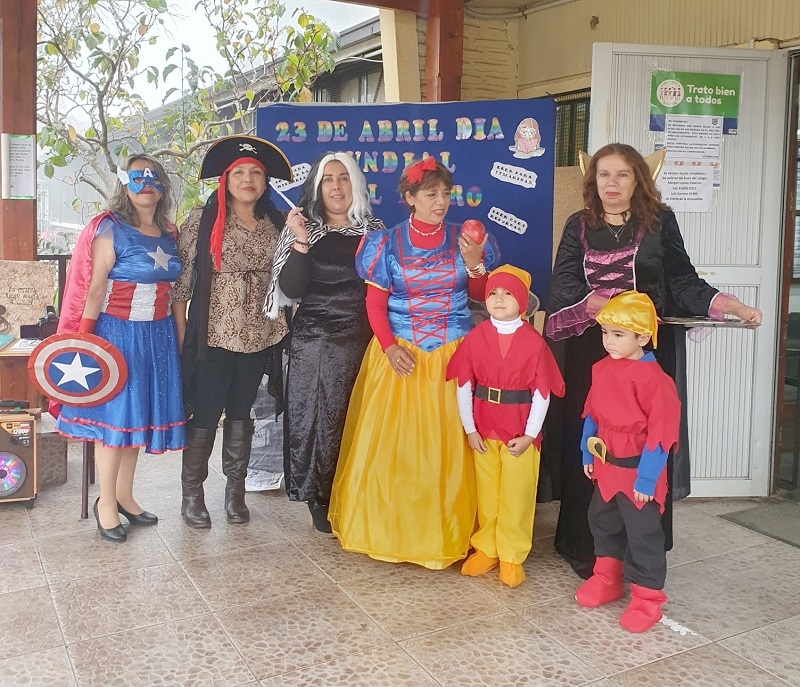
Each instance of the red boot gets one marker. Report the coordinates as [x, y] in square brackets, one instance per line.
[644, 610]
[604, 586]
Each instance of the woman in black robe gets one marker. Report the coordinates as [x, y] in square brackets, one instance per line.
[625, 238]
[315, 263]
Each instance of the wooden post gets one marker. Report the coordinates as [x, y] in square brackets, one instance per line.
[18, 116]
[444, 43]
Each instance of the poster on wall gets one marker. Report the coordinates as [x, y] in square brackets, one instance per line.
[26, 288]
[500, 152]
[691, 93]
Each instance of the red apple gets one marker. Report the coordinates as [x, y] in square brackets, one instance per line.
[474, 229]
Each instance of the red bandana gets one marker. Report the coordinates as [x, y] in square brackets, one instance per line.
[222, 208]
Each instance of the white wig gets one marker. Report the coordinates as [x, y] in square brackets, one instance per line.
[310, 199]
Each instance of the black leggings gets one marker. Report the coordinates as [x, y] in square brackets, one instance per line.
[226, 381]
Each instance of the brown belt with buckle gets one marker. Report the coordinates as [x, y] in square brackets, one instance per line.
[502, 396]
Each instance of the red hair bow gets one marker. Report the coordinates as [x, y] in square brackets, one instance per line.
[415, 172]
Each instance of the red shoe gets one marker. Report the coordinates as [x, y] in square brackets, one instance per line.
[644, 610]
[604, 586]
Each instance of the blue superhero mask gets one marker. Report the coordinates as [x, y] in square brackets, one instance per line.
[137, 179]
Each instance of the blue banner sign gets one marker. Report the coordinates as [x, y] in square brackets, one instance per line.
[500, 152]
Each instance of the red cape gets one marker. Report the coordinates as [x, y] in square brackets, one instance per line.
[79, 275]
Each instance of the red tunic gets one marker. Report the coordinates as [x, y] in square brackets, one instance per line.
[528, 364]
[635, 405]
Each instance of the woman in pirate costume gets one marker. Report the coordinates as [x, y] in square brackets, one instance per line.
[405, 488]
[227, 249]
[315, 262]
[118, 288]
[625, 239]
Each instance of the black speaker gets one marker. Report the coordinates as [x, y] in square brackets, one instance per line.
[19, 477]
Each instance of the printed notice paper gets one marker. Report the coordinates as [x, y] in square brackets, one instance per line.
[687, 187]
[18, 158]
[692, 137]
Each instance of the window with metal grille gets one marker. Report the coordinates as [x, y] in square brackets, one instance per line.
[572, 127]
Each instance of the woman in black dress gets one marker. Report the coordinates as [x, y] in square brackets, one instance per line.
[315, 262]
[624, 239]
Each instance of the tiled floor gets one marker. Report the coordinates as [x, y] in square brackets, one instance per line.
[271, 604]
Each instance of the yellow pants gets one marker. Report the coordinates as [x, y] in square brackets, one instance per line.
[506, 501]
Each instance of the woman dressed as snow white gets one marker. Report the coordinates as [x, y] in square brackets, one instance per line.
[405, 484]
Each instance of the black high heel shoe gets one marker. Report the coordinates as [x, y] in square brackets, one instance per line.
[143, 519]
[116, 534]
[319, 518]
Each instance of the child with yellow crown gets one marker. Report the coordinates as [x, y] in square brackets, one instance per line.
[632, 415]
[505, 374]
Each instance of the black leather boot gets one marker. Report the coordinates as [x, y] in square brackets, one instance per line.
[194, 471]
[237, 438]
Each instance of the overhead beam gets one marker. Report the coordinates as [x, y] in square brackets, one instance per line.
[419, 7]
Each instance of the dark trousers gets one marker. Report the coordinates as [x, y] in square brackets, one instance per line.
[226, 381]
[631, 535]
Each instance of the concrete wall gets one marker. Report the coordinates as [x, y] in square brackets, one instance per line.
[555, 45]
[491, 59]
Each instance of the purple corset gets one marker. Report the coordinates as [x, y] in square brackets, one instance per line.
[607, 273]
[610, 271]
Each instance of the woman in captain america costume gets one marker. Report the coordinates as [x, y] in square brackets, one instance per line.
[119, 288]
[404, 489]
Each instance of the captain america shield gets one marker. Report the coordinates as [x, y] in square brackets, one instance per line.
[77, 369]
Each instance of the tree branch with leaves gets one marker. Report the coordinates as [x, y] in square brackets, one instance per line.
[90, 66]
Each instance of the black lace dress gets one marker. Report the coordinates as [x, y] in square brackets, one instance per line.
[329, 335]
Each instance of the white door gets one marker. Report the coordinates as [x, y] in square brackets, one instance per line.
[736, 247]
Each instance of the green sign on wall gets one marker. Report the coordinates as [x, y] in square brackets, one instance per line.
[689, 93]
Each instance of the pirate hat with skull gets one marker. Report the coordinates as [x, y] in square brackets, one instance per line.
[222, 154]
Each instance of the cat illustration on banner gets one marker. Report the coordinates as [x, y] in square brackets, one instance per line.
[527, 139]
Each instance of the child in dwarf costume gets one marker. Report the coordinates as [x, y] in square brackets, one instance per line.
[632, 415]
[505, 374]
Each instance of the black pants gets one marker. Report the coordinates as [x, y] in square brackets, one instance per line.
[226, 381]
[634, 536]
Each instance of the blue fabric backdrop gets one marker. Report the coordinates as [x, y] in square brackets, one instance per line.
[501, 154]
